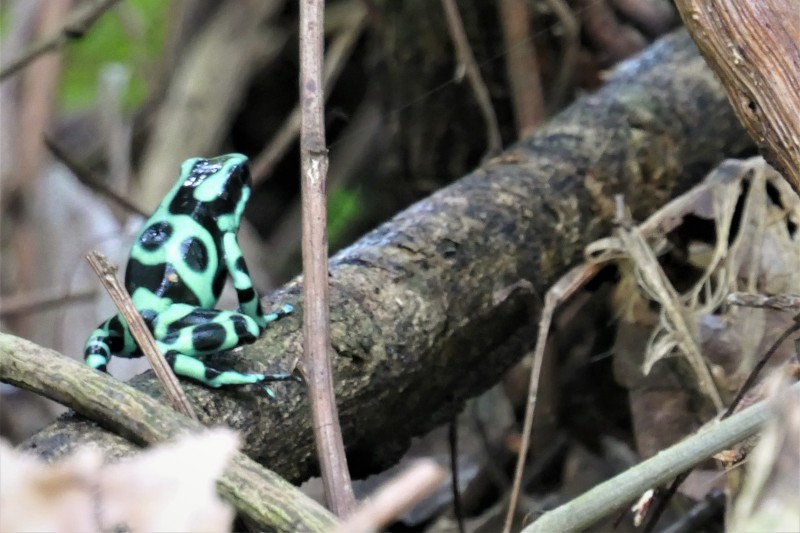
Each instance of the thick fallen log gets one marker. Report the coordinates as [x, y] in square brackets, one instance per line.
[435, 305]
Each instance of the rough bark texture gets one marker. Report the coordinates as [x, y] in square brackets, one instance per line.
[428, 309]
[754, 47]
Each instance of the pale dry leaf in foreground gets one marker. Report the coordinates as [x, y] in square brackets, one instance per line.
[36, 496]
[171, 487]
[768, 499]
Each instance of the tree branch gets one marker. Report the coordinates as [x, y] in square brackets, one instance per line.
[610, 495]
[79, 22]
[317, 350]
[420, 320]
[754, 47]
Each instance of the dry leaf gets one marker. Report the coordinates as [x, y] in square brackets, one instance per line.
[36, 496]
[737, 231]
[171, 487]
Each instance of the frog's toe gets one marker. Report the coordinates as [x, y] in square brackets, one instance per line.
[282, 376]
[270, 393]
[286, 309]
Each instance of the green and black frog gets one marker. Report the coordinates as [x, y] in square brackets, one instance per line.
[177, 269]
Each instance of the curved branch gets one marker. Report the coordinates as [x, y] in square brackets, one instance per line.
[262, 495]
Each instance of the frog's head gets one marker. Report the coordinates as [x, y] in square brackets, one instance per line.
[218, 187]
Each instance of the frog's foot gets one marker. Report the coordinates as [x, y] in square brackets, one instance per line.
[281, 376]
[270, 393]
[96, 353]
[97, 361]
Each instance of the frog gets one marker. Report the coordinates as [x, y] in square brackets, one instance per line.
[177, 268]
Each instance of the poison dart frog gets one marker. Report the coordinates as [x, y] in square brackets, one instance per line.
[177, 268]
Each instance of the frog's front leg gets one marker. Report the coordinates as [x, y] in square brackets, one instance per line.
[184, 332]
[249, 303]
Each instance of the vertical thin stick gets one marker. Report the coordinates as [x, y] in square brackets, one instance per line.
[521, 65]
[316, 365]
[465, 56]
[565, 287]
[452, 436]
[108, 277]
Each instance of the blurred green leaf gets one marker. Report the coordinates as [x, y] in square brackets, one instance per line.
[344, 206]
[131, 34]
[3, 21]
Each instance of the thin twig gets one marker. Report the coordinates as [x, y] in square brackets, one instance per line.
[81, 20]
[25, 303]
[395, 497]
[751, 379]
[335, 59]
[458, 508]
[604, 498]
[522, 66]
[317, 349]
[107, 273]
[465, 57]
[88, 178]
[662, 499]
[780, 302]
[558, 293]
[570, 43]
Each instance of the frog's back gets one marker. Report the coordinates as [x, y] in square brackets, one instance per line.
[176, 258]
[179, 256]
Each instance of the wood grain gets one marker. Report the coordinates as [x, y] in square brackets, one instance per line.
[754, 47]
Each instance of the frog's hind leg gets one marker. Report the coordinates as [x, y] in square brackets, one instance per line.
[192, 332]
[110, 338]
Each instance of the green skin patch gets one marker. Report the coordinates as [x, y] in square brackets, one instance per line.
[176, 271]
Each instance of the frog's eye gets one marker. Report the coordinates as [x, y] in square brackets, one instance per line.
[197, 171]
[240, 176]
